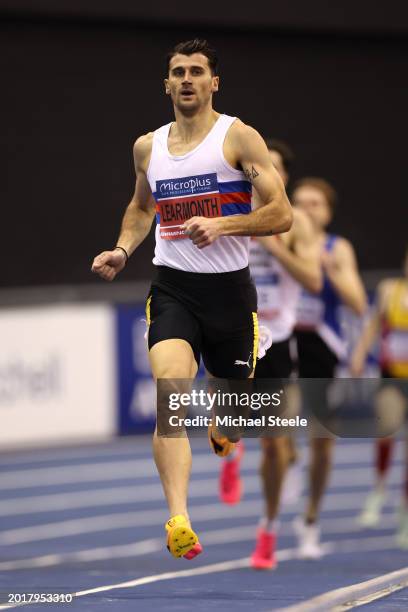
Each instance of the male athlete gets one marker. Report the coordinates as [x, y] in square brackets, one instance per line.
[320, 346]
[319, 337]
[388, 324]
[196, 175]
[280, 266]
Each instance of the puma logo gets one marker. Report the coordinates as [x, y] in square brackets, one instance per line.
[245, 363]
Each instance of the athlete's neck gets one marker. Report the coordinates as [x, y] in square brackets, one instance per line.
[188, 128]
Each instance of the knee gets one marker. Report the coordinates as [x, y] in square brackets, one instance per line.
[172, 359]
[176, 369]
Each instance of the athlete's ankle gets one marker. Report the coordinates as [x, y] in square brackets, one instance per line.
[182, 513]
[270, 525]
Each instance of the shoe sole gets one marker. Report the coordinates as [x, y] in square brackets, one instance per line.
[263, 566]
[180, 540]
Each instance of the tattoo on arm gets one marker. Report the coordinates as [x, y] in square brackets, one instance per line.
[251, 174]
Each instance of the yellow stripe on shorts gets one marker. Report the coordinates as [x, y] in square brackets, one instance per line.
[149, 299]
[256, 339]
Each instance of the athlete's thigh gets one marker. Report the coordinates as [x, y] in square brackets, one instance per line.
[174, 335]
[172, 358]
[234, 357]
[230, 333]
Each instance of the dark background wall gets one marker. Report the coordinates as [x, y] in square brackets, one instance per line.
[77, 91]
[347, 15]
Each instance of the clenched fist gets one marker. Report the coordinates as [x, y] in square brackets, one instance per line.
[202, 230]
[109, 263]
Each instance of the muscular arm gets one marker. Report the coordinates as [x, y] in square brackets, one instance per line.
[275, 214]
[245, 148]
[302, 261]
[139, 214]
[341, 268]
[137, 219]
[371, 330]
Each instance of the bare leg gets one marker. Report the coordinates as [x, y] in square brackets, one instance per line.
[173, 359]
[320, 466]
[292, 409]
[275, 458]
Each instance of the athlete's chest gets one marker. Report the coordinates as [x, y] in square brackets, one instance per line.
[178, 147]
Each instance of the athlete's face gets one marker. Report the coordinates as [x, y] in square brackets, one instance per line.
[190, 82]
[278, 163]
[314, 203]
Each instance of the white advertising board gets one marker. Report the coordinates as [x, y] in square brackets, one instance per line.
[57, 374]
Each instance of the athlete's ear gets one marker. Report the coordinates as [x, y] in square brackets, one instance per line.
[166, 86]
[215, 83]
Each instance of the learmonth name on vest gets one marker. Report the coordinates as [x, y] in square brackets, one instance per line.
[179, 211]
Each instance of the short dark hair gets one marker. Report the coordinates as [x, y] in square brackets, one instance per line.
[284, 151]
[322, 185]
[197, 45]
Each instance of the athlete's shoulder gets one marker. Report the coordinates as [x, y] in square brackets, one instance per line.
[343, 252]
[243, 142]
[142, 148]
[143, 144]
[384, 291]
[386, 286]
[240, 131]
[342, 246]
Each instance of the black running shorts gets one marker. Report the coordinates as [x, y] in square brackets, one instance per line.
[316, 361]
[315, 358]
[214, 312]
[276, 363]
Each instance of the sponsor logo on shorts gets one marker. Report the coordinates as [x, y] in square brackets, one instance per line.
[245, 363]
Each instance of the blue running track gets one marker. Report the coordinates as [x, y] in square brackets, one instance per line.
[89, 520]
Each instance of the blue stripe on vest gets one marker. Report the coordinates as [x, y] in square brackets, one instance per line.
[235, 209]
[235, 187]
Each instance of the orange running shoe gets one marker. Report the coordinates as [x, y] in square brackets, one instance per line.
[264, 556]
[219, 444]
[182, 541]
[230, 483]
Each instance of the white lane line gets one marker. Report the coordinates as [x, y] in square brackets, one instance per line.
[103, 553]
[138, 467]
[338, 598]
[148, 517]
[125, 448]
[138, 445]
[205, 569]
[283, 555]
[113, 496]
[363, 601]
[244, 533]
[68, 474]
